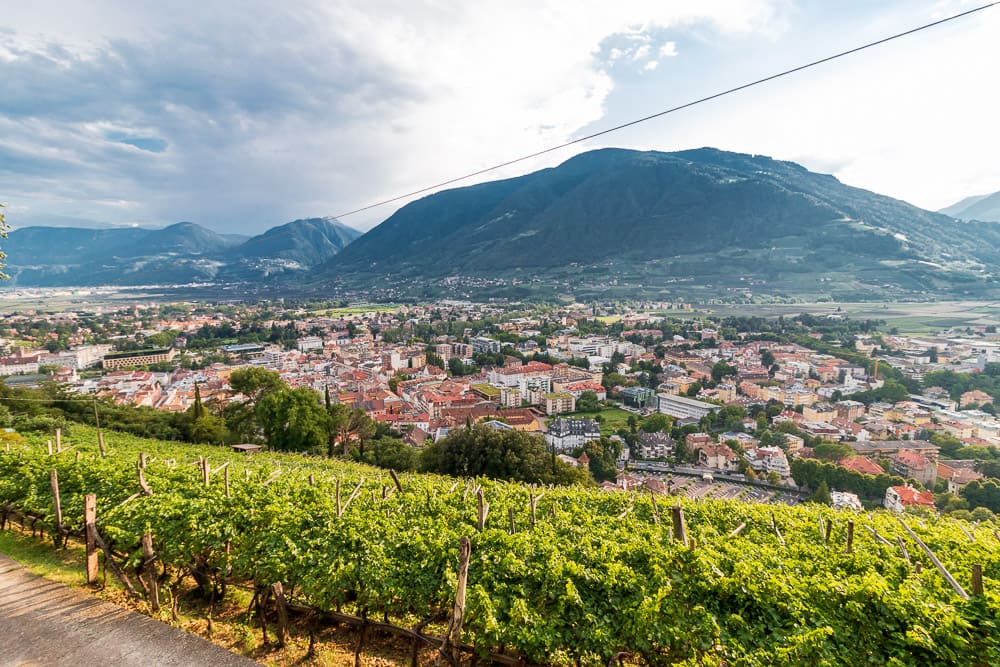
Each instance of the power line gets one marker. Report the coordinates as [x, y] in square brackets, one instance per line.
[686, 105]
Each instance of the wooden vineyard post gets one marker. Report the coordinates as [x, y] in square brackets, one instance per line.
[97, 424]
[977, 579]
[484, 509]
[937, 563]
[149, 571]
[902, 548]
[656, 508]
[777, 531]
[48, 443]
[680, 527]
[395, 479]
[54, 481]
[453, 635]
[278, 592]
[533, 503]
[829, 529]
[143, 486]
[312, 479]
[850, 537]
[340, 508]
[90, 529]
[58, 440]
[205, 471]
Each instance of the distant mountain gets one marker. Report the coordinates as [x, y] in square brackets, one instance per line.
[982, 207]
[615, 220]
[300, 244]
[182, 253]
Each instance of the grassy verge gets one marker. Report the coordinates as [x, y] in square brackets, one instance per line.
[39, 556]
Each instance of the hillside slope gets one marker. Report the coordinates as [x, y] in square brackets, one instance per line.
[651, 218]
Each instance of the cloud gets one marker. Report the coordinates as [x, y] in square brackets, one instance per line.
[668, 49]
[249, 115]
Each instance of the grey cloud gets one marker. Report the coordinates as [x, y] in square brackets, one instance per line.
[198, 123]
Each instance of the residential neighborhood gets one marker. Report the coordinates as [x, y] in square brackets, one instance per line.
[690, 396]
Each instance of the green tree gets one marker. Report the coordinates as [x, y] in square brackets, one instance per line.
[294, 420]
[512, 455]
[603, 455]
[832, 451]
[210, 429]
[983, 493]
[721, 370]
[254, 382]
[656, 423]
[588, 402]
[348, 425]
[822, 494]
[391, 452]
[197, 409]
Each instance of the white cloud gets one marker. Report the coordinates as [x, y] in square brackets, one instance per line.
[444, 88]
[668, 49]
[268, 114]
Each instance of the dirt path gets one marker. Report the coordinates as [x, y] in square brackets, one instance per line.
[45, 624]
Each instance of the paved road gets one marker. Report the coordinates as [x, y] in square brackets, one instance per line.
[45, 624]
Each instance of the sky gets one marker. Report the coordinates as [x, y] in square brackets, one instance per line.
[242, 116]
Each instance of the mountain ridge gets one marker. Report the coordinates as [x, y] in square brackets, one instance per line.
[649, 219]
[985, 208]
[181, 253]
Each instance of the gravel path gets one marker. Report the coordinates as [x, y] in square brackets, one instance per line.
[45, 624]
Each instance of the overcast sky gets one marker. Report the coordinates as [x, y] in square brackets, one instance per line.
[241, 116]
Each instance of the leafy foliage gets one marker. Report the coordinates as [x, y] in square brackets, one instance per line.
[592, 575]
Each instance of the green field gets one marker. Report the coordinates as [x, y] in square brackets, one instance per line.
[359, 309]
[612, 419]
[916, 318]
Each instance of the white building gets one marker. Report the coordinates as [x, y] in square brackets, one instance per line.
[769, 459]
[566, 434]
[307, 343]
[680, 406]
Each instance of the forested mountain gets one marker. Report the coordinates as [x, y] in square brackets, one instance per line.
[981, 207]
[649, 218]
[181, 253]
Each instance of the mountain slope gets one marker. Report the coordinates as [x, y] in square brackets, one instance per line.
[300, 243]
[617, 217]
[985, 208]
[182, 253]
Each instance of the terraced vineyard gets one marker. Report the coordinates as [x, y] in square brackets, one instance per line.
[556, 575]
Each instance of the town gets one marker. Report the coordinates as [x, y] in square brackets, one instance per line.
[644, 395]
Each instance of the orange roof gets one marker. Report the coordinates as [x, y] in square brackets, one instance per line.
[862, 465]
[910, 496]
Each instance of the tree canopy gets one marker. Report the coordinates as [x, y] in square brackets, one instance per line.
[513, 455]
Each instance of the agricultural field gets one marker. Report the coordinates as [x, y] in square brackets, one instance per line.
[358, 309]
[915, 318]
[537, 575]
[612, 419]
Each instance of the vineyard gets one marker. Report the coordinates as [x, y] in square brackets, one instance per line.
[546, 575]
